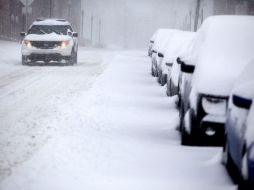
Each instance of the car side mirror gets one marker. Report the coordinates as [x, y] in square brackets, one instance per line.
[75, 34]
[22, 34]
[241, 102]
[187, 68]
[160, 55]
[169, 64]
[179, 61]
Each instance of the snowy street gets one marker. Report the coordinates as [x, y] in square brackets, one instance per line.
[102, 124]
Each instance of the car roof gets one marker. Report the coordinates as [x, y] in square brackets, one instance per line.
[50, 22]
[225, 46]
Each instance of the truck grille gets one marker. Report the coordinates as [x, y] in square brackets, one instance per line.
[45, 44]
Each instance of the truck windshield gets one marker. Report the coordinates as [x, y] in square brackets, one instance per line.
[46, 29]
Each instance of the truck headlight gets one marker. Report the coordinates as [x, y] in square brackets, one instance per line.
[64, 44]
[28, 43]
[214, 105]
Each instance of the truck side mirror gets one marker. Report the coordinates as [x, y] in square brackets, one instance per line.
[75, 34]
[22, 34]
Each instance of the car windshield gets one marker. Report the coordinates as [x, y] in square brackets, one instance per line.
[46, 29]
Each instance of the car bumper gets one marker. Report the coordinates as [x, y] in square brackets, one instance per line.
[27, 51]
[212, 128]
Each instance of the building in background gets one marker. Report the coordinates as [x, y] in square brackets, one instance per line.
[118, 23]
[13, 19]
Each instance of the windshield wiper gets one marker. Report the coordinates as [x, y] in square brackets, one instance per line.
[55, 31]
[42, 31]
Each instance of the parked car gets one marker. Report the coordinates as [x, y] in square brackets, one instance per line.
[171, 64]
[224, 45]
[49, 40]
[238, 151]
[162, 36]
[165, 51]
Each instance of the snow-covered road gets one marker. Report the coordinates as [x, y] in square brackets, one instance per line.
[72, 128]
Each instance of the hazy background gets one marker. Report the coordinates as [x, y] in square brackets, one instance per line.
[130, 23]
[117, 23]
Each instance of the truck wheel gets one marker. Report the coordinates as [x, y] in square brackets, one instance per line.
[71, 59]
[75, 58]
[24, 61]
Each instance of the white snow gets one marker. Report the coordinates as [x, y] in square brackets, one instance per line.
[226, 46]
[51, 22]
[64, 128]
[160, 36]
[179, 46]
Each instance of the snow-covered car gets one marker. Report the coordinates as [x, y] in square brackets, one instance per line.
[49, 40]
[170, 66]
[226, 45]
[160, 39]
[238, 148]
[162, 53]
[150, 46]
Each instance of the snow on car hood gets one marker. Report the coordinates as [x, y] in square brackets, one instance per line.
[226, 46]
[161, 35]
[47, 37]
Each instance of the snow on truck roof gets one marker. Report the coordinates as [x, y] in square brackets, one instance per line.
[51, 22]
[225, 46]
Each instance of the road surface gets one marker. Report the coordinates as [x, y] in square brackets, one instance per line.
[102, 124]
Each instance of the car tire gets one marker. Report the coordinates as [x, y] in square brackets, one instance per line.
[152, 71]
[243, 181]
[75, 58]
[230, 166]
[186, 138]
[163, 79]
[244, 167]
[71, 59]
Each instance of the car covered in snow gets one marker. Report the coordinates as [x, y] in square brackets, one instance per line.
[225, 46]
[170, 67]
[239, 130]
[160, 40]
[49, 40]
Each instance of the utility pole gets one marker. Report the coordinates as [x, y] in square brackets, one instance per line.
[91, 29]
[100, 32]
[197, 15]
[50, 8]
[82, 24]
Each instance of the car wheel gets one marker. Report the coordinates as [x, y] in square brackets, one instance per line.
[163, 79]
[167, 91]
[185, 136]
[75, 57]
[152, 70]
[225, 152]
[244, 167]
[71, 59]
[229, 164]
[243, 182]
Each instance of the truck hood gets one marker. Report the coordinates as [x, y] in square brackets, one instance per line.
[47, 37]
